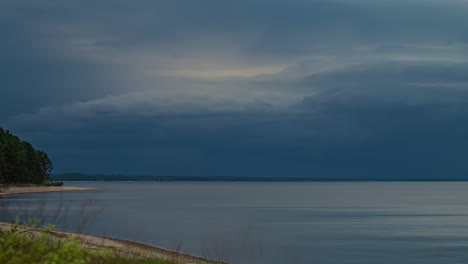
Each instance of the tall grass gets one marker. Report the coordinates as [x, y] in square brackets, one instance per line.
[18, 246]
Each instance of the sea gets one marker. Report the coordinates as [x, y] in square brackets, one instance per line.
[268, 222]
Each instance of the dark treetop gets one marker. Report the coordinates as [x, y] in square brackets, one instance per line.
[20, 162]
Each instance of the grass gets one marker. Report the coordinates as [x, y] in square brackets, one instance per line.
[20, 247]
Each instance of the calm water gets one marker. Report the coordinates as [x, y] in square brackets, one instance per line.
[340, 222]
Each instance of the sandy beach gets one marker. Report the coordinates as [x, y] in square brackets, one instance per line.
[24, 190]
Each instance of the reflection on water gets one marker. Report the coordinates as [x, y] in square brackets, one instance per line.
[339, 222]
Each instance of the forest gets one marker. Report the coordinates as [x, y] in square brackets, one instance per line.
[20, 162]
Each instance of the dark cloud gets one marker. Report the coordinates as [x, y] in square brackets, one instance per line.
[284, 88]
[339, 140]
[410, 83]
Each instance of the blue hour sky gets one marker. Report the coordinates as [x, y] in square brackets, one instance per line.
[309, 88]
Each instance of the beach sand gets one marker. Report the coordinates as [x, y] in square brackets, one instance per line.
[23, 190]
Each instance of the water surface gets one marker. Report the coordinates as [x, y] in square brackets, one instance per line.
[265, 222]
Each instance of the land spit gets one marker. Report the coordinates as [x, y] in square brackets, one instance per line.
[42, 189]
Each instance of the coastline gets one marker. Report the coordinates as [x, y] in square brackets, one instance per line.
[43, 189]
[123, 247]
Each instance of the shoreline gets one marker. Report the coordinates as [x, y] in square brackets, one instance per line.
[124, 247]
[45, 189]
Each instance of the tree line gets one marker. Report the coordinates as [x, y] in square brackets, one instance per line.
[20, 162]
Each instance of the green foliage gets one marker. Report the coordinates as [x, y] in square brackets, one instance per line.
[32, 222]
[20, 162]
[20, 247]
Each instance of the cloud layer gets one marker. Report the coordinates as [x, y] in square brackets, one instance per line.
[249, 88]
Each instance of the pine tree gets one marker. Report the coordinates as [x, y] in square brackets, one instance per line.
[20, 162]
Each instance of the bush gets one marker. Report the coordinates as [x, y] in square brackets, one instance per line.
[17, 247]
[20, 247]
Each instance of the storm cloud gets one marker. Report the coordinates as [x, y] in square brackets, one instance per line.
[244, 88]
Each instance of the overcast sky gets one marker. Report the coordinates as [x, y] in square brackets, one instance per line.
[319, 88]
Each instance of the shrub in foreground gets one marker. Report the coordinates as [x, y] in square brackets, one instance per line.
[20, 247]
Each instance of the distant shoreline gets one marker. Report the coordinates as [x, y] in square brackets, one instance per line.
[266, 181]
[26, 190]
[136, 178]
